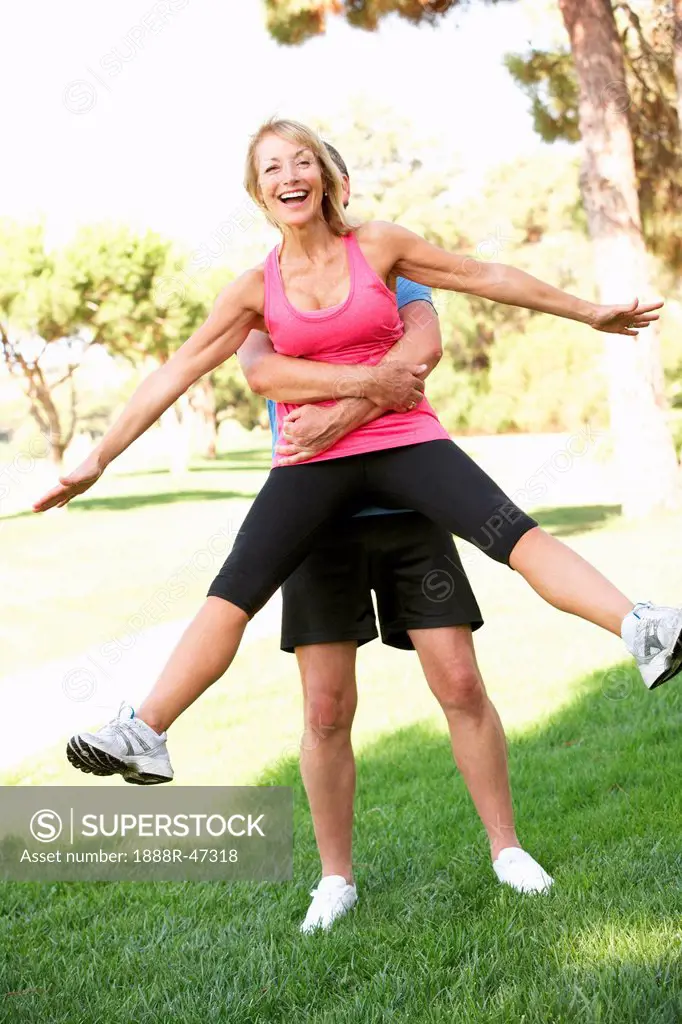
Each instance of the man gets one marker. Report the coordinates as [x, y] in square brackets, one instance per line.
[424, 600]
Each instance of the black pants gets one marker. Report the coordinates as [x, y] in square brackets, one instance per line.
[435, 478]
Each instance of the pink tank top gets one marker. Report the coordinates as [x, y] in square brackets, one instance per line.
[360, 330]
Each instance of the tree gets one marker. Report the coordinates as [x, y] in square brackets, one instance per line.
[41, 344]
[109, 286]
[294, 21]
[139, 303]
[642, 439]
[677, 44]
[550, 80]
[396, 174]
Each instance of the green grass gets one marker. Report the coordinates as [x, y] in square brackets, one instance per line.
[434, 938]
[84, 573]
[565, 522]
[594, 761]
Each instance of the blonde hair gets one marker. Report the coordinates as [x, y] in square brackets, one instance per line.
[332, 203]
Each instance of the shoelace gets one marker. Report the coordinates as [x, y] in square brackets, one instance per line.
[117, 729]
[326, 897]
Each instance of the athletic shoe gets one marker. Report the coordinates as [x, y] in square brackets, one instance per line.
[653, 635]
[517, 868]
[332, 898]
[127, 746]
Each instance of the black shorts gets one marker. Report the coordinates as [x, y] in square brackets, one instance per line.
[412, 566]
[296, 504]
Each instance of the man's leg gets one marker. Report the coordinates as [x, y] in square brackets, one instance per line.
[478, 742]
[327, 612]
[327, 761]
[479, 747]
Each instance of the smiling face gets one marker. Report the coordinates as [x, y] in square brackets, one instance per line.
[291, 175]
[289, 180]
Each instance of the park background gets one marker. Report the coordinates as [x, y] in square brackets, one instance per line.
[122, 215]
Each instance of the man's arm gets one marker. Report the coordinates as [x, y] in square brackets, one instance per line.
[292, 379]
[285, 378]
[310, 430]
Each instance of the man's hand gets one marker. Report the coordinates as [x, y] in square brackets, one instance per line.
[624, 319]
[310, 430]
[69, 486]
[392, 385]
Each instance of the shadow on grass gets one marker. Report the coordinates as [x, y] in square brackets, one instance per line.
[128, 501]
[597, 801]
[563, 521]
[252, 465]
[243, 460]
[254, 459]
[579, 778]
[242, 456]
[434, 938]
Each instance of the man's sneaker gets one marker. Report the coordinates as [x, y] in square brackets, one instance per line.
[653, 635]
[517, 868]
[127, 746]
[332, 898]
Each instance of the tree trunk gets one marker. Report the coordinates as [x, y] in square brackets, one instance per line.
[203, 403]
[57, 453]
[177, 439]
[644, 449]
[677, 50]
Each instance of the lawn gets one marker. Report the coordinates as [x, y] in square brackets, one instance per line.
[594, 762]
[74, 579]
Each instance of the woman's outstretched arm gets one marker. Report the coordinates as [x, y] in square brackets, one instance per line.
[234, 314]
[394, 248]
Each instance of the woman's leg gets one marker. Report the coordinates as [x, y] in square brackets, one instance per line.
[327, 762]
[204, 652]
[279, 530]
[567, 581]
[440, 480]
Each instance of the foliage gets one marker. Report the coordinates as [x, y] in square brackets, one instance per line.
[234, 398]
[649, 93]
[396, 173]
[294, 21]
[131, 291]
[38, 331]
[110, 287]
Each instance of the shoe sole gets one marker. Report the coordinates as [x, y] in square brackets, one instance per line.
[674, 668]
[93, 761]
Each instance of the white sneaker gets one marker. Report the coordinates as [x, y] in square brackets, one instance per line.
[653, 635]
[127, 746]
[517, 868]
[332, 898]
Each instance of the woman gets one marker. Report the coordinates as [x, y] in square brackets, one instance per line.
[323, 294]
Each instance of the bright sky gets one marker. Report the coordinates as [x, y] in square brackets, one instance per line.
[140, 111]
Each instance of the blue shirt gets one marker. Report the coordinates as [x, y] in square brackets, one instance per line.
[405, 292]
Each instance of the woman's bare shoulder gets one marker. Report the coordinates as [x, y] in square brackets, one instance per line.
[381, 233]
[248, 289]
[375, 231]
[381, 243]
